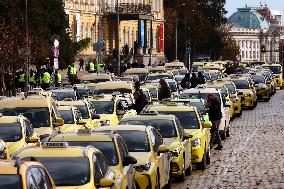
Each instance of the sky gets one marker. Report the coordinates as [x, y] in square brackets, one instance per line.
[232, 5]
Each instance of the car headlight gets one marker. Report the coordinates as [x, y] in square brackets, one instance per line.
[196, 142]
[105, 123]
[141, 168]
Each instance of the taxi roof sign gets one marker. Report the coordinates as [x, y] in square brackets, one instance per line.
[55, 144]
[86, 131]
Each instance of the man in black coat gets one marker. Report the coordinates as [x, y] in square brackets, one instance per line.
[164, 91]
[215, 116]
[185, 82]
[194, 81]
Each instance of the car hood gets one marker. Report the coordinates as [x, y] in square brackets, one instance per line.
[169, 141]
[142, 157]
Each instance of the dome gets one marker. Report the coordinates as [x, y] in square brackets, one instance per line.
[249, 18]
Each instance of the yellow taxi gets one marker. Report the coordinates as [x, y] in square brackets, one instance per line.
[71, 117]
[16, 132]
[190, 120]
[97, 77]
[146, 145]
[262, 90]
[156, 69]
[155, 77]
[3, 149]
[40, 109]
[174, 138]
[271, 82]
[141, 72]
[113, 148]
[175, 65]
[214, 66]
[111, 108]
[86, 166]
[111, 87]
[87, 111]
[234, 97]
[19, 174]
[277, 73]
[246, 90]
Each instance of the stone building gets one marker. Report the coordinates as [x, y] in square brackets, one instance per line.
[253, 31]
[97, 19]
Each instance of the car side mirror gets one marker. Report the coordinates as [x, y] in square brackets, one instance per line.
[59, 122]
[106, 182]
[96, 116]
[129, 160]
[163, 149]
[187, 135]
[240, 93]
[34, 139]
[82, 122]
[207, 125]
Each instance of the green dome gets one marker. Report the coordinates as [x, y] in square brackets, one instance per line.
[249, 18]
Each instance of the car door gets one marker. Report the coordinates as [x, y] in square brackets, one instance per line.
[186, 144]
[37, 178]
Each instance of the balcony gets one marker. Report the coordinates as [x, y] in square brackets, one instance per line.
[128, 10]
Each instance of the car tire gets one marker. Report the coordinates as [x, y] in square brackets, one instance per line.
[157, 185]
[267, 99]
[202, 164]
[188, 171]
[208, 154]
[228, 133]
[223, 135]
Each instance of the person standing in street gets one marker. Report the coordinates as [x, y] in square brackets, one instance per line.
[194, 81]
[139, 97]
[45, 80]
[81, 63]
[126, 49]
[215, 116]
[32, 79]
[91, 67]
[185, 82]
[164, 91]
[201, 78]
[22, 80]
[58, 79]
[73, 74]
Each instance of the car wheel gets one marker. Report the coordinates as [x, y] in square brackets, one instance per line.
[202, 164]
[188, 171]
[267, 99]
[228, 133]
[208, 154]
[223, 135]
[157, 186]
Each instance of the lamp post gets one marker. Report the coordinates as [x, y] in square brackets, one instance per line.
[118, 38]
[27, 49]
[151, 34]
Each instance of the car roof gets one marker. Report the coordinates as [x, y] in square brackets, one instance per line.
[114, 84]
[200, 90]
[149, 117]
[176, 107]
[94, 76]
[70, 103]
[74, 136]
[122, 128]
[32, 101]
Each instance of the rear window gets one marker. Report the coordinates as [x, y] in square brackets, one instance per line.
[241, 84]
[10, 181]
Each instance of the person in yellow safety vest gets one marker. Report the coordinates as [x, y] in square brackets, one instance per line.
[98, 67]
[58, 79]
[45, 80]
[22, 80]
[91, 67]
[32, 79]
[73, 72]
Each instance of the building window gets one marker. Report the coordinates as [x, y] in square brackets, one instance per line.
[250, 54]
[243, 54]
[243, 44]
[246, 54]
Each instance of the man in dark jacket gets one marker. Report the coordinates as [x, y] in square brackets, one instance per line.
[139, 97]
[201, 78]
[215, 116]
[164, 91]
[185, 82]
[194, 81]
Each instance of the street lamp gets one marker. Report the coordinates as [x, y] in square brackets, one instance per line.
[118, 38]
[151, 33]
[27, 49]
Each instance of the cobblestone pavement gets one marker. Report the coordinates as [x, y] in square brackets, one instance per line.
[253, 157]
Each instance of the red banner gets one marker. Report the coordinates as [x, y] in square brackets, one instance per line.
[161, 37]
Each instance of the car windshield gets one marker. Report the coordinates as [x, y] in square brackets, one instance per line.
[39, 117]
[214, 76]
[10, 181]
[207, 76]
[107, 148]
[258, 79]
[60, 96]
[275, 69]
[241, 84]
[231, 88]
[136, 141]
[103, 107]
[158, 77]
[10, 132]
[199, 105]
[77, 168]
[82, 92]
[110, 91]
[165, 127]
[83, 110]
[67, 116]
[187, 119]
[142, 77]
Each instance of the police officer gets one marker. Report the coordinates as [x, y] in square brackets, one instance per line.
[91, 67]
[45, 80]
[73, 74]
[58, 79]
[32, 79]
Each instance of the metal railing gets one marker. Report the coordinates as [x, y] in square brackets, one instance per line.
[127, 8]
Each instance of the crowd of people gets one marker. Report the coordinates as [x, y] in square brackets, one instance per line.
[191, 82]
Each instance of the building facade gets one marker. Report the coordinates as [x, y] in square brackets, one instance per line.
[97, 19]
[253, 32]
